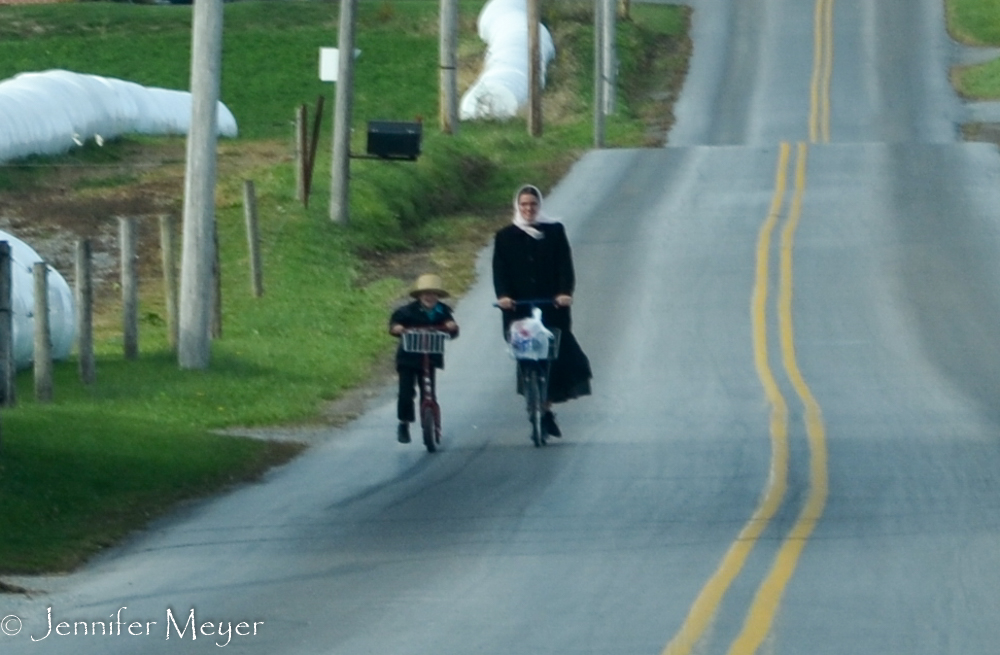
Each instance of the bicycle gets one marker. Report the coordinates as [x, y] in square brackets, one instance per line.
[427, 341]
[534, 364]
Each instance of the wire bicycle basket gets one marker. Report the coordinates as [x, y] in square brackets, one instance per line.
[425, 341]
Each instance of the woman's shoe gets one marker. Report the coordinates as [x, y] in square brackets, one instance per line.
[549, 425]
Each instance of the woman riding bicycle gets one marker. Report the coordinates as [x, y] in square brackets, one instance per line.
[532, 260]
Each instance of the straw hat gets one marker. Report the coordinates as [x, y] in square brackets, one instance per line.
[428, 282]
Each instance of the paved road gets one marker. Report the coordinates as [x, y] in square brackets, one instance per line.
[792, 443]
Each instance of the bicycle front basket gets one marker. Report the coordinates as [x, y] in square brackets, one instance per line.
[554, 343]
[424, 341]
[534, 348]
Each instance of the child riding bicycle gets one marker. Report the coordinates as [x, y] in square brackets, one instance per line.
[425, 311]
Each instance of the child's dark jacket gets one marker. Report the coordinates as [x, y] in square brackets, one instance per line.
[414, 315]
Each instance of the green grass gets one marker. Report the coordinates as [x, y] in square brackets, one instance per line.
[976, 22]
[78, 473]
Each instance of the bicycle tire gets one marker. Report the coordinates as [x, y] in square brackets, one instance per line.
[533, 397]
[437, 425]
[427, 424]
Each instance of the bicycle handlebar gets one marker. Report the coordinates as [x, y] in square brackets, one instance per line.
[533, 302]
[427, 328]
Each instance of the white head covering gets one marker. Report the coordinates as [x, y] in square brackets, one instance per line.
[539, 218]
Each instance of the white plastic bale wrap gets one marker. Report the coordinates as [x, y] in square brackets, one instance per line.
[502, 87]
[48, 113]
[62, 316]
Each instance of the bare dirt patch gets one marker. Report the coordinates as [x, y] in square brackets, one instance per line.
[52, 209]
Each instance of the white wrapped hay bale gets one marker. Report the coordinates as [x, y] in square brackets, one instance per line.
[62, 316]
[48, 113]
[502, 86]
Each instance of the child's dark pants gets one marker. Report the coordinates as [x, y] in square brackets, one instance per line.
[409, 380]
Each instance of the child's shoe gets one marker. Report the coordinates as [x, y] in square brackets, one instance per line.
[403, 433]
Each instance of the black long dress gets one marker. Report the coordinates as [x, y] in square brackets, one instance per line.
[526, 268]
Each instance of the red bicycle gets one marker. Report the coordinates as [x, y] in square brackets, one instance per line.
[427, 341]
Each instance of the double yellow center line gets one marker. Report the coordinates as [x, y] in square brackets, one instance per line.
[762, 611]
[819, 90]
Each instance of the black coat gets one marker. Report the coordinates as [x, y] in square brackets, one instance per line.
[525, 268]
[414, 315]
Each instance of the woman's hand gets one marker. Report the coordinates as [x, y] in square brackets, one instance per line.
[506, 303]
[564, 300]
[451, 327]
[396, 330]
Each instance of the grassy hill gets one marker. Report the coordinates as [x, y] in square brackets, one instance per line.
[78, 473]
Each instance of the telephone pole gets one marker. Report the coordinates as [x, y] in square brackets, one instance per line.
[340, 165]
[534, 71]
[194, 340]
[598, 73]
[609, 59]
[448, 63]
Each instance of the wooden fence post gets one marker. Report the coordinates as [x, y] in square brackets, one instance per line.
[216, 322]
[313, 145]
[85, 312]
[7, 365]
[168, 254]
[301, 153]
[43, 340]
[128, 243]
[253, 237]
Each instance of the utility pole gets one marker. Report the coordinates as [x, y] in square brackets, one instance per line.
[534, 71]
[198, 252]
[598, 73]
[340, 165]
[609, 59]
[448, 62]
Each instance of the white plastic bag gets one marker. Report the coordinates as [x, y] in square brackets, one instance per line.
[529, 338]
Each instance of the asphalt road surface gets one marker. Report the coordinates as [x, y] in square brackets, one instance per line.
[792, 446]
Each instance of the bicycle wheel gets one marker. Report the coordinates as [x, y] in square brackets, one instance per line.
[533, 396]
[427, 423]
[437, 425]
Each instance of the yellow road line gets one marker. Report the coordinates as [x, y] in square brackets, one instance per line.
[707, 603]
[819, 106]
[764, 608]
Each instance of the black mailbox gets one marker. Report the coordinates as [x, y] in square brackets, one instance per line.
[394, 139]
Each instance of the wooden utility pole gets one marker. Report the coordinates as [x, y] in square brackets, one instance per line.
[534, 71]
[598, 73]
[340, 164]
[449, 68]
[609, 59]
[194, 342]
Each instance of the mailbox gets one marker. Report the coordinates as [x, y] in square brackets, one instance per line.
[394, 139]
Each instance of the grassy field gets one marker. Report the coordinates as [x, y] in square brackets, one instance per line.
[976, 23]
[80, 472]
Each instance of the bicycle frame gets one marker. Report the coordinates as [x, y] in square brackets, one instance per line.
[533, 379]
[428, 341]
